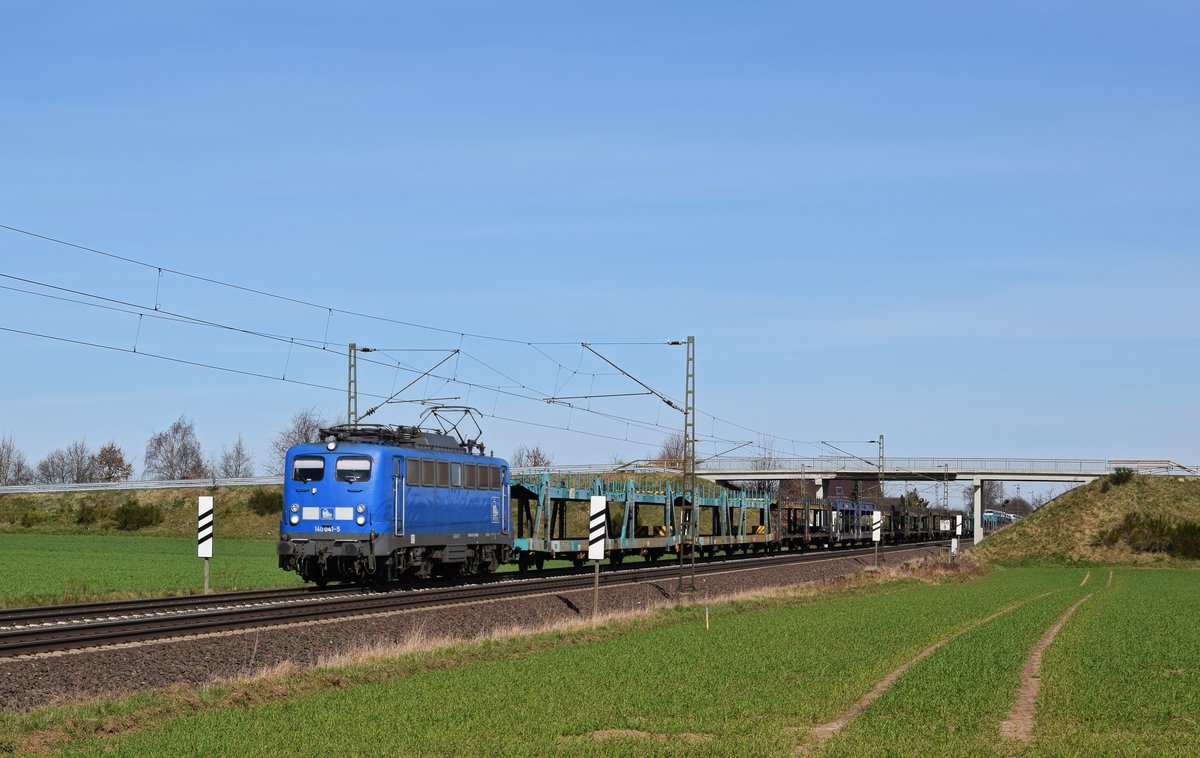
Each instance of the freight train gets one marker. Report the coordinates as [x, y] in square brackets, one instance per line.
[377, 503]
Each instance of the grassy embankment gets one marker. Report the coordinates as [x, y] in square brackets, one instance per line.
[1145, 520]
[71, 547]
[766, 672]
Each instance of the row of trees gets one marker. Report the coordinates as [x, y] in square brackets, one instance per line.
[174, 453]
[74, 463]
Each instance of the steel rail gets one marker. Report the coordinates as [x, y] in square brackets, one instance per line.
[110, 631]
[96, 609]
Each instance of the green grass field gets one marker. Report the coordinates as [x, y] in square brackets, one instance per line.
[1126, 671]
[1122, 678]
[79, 567]
[52, 568]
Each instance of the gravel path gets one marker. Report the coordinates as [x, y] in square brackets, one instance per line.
[27, 683]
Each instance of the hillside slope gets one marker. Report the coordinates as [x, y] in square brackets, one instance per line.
[1143, 520]
[250, 512]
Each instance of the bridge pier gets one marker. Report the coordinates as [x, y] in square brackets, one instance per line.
[977, 510]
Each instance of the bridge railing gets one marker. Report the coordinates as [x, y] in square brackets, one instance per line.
[850, 464]
[142, 484]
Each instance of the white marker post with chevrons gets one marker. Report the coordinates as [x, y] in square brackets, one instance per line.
[597, 534]
[204, 535]
[877, 533]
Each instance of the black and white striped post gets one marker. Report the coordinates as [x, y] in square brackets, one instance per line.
[204, 535]
[597, 534]
[958, 519]
[877, 533]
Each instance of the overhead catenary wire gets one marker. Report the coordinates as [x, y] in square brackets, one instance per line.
[317, 385]
[298, 301]
[155, 312]
[161, 270]
[319, 345]
[392, 397]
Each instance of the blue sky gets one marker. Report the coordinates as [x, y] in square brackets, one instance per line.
[970, 228]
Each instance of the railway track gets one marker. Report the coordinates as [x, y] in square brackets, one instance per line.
[28, 631]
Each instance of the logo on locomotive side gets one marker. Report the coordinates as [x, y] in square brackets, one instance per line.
[327, 513]
[495, 510]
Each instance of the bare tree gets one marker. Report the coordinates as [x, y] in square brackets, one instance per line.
[1017, 505]
[53, 468]
[767, 461]
[14, 470]
[306, 426]
[526, 456]
[992, 495]
[236, 463]
[109, 464]
[794, 490]
[175, 453]
[66, 465]
[671, 452]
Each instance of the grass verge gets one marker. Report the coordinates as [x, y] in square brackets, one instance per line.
[81, 567]
[656, 684]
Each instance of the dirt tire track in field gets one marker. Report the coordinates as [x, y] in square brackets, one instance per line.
[823, 732]
[1086, 576]
[1019, 724]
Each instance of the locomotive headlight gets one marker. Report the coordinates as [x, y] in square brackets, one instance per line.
[294, 519]
[360, 520]
[295, 507]
[331, 443]
[361, 508]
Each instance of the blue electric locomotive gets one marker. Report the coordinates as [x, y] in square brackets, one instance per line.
[374, 503]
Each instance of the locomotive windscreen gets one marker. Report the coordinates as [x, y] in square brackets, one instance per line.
[354, 469]
[308, 468]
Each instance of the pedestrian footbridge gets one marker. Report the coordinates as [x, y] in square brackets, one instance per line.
[821, 469]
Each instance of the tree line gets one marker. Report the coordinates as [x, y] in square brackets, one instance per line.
[175, 453]
[171, 454]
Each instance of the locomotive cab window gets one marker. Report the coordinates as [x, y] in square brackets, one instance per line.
[353, 469]
[308, 468]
